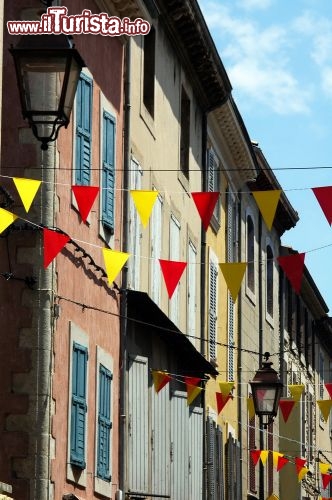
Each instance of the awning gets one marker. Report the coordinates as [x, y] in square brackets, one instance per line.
[144, 311]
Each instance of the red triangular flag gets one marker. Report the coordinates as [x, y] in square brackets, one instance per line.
[53, 244]
[205, 203]
[299, 464]
[286, 406]
[324, 198]
[192, 380]
[328, 386]
[255, 456]
[172, 272]
[222, 401]
[292, 266]
[85, 197]
[326, 479]
[281, 462]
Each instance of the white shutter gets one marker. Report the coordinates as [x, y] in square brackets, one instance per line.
[213, 304]
[156, 237]
[174, 254]
[134, 230]
[191, 313]
[214, 178]
[231, 257]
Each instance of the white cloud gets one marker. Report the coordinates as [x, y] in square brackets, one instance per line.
[257, 61]
[327, 80]
[254, 4]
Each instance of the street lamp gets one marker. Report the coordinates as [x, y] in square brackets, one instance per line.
[266, 390]
[44, 63]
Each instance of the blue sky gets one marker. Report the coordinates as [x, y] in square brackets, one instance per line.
[278, 56]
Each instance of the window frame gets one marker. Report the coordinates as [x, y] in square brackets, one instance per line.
[269, 278]
[250, 258]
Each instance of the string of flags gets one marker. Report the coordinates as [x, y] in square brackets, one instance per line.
[205, 202]
[162, 378]
[280, 460]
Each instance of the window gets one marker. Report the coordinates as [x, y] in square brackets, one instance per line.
[83, 131]
[185, 133]
[213, 304]
[214, 180]
[108, 159]
[191, 273]
[104, 424]
[250, 254]
[134, 230]
[269, 281]
[149, 43]
[156, 242]
[321, 375]
[174, 254]
[231, 257]
[78, 405]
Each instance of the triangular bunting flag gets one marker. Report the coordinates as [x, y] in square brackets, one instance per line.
[6, 219]
[192, 388]
[273, 497]
[293, 265]
[267, 202]
[226, 388]
[85, 197]
[27, 189]
[324, 198]
[299, 464]
[324, 468]
[302, 473]
[53, 244]
[251, 408]
[114, 262]
[144, 201]
[160, 379]
[325, 407]
[296, 391]
[328, 386]
[221, 401]
[281, 462]
[233, 273]
[205, 203]
[326, 479]
[286, 406]
[275, 456]
[255, 456]
[172, 271]
[264, 455]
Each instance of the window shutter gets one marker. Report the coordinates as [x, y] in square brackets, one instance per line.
[270, 459]
[104, 424]
[252, 446]
[191, 315]
[156, 241]
[83, 131]
[211, 455]
[220, 466]
[213, 179]
[213, 287]
[231, 230]
[79, 405]
[108, 171]
[174, 254]
[211, 167]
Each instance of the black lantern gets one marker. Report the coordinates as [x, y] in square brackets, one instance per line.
[266, 392]
[47, 69]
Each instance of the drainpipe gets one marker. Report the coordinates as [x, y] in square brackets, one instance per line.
[123, 303]
[239, 357]
[202, 298]
[260, 340]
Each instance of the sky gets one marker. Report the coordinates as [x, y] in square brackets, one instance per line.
[278, 56]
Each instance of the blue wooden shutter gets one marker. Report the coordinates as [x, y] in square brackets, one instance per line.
[104, 424]
[83, 131]
[108, 171]
[79, 405]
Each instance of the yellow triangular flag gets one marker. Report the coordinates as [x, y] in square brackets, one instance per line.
[6, 219]
[114, 262]
[233, 273]
[324, 468]
[273, 497]
[251, 408]
[160, 379]
[192, 392]
[325, 407]
[144, 201]
[226, 387]
[267, 202]
[264, 455]
[27, 189]
[302, 473]
[276, 456]
[296, 391]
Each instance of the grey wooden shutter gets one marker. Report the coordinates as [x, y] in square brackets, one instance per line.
[213, 300]
[231, 229]
[179, 447]
[195, 453]
[220, 464]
